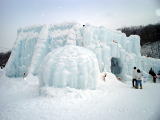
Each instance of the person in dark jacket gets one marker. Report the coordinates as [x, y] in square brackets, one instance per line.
[151, 72]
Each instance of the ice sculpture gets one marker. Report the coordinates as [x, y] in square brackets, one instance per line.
[35, 42]
[70, 66]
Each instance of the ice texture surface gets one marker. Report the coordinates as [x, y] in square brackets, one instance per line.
[35, 42]
[71, 66]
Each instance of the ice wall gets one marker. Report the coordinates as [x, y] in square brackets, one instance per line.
[40, 50]
[147, 63]
[70, 66]
[35, 42]
[23, 50]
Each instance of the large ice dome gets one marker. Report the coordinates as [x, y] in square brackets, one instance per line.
[71, 66]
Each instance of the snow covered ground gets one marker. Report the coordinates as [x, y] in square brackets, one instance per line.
[112, 100]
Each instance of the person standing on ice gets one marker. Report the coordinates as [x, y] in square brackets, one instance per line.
[104, 76]
[139, 79]
[24, 76]
[134, 76]
[151, 72]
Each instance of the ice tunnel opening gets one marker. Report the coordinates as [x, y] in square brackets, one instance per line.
[116, 66]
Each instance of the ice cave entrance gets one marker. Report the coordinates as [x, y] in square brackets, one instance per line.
[115, 66]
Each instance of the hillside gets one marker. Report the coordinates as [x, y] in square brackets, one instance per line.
[150, 38]
[151, 49]
[148, 34]
[4, 56]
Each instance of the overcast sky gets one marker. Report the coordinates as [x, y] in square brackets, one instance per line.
[110, 13]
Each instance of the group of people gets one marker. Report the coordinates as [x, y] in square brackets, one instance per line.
[137, 78]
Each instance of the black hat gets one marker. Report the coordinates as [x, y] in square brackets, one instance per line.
[138, 71]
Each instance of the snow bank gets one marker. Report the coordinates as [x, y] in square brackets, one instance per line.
[111, 100]
[16, 89]
[111, 83]
[71, 66]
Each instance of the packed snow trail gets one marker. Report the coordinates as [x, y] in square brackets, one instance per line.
[113, 100]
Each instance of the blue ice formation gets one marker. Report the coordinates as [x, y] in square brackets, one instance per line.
[35, 43]
[69, 66]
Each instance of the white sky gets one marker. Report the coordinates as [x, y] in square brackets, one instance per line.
[110, 13]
